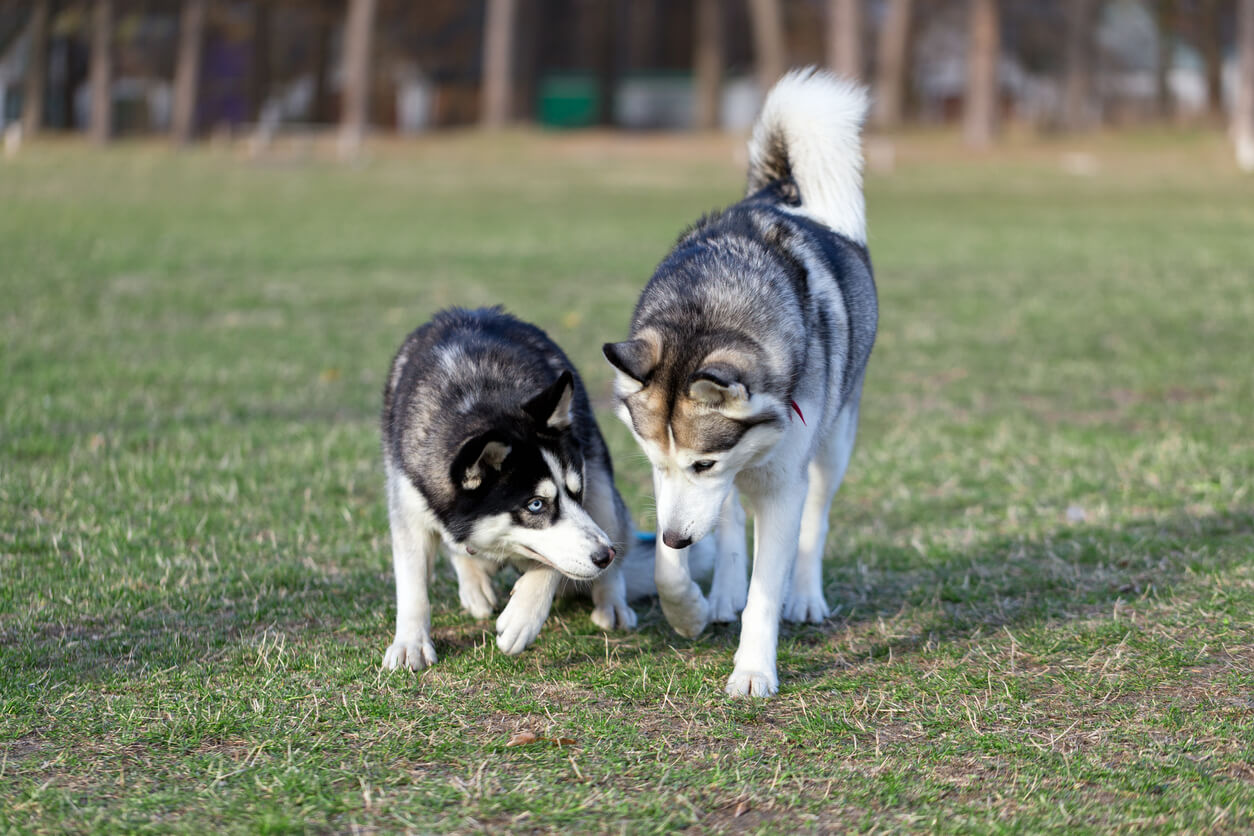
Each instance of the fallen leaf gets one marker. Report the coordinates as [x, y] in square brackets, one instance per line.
[741, 808]
[564, 741]
[522, 738]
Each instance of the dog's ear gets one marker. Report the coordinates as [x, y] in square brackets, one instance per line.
[551, 408]
[479, 460]
[634, 358]
[719, 385]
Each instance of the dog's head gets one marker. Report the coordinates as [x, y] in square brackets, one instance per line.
[701, 415]
[519, 489]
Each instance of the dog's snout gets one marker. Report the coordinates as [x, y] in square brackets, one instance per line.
[674, 541]
[604, 557]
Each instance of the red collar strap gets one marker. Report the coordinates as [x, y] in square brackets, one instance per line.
[797, 410]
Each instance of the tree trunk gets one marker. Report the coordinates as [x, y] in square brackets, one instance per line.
[1078, 74]
[322, 111]
[187, 71]
[708, 63]
[844, 38]
[766, 18]
[496, 103]
[101, 78]
[355, 112]
[36, 70]
[259, 66]
[892, 65]
[1243, 111]
[606, 58]
[983, 49]
[1212, 54]
[1162, 69]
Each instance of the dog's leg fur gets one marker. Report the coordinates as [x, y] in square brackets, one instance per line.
[777, 507]
[519, 623]
[413, 556]
[805, 600]
[474, 585]
[609, 591]
[730, 586]
[682, 603]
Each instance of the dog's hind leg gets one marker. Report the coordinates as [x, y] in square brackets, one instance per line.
[805, 598]
[474, 585]
[609, 601]
[729, 586]
[413, 553]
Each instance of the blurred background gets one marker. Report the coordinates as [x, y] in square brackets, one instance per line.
[257, 70]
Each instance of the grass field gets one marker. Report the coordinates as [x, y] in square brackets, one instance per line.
[1041, 560]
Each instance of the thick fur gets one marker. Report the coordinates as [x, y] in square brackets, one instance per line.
[490, 447]
[744, 370]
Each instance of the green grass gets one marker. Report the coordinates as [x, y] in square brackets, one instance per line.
[1040, 560]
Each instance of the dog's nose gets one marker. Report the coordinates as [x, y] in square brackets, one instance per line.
[603, 558]
[674, 541]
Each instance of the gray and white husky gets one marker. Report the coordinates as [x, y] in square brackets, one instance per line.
[744, 372]
[490, 445]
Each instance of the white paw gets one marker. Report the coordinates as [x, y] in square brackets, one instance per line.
[746, 683]
[477, 595]
[415, 654]
[614, 615]
[724, 608]
[810, 607]
[689, 615]
[518, 625]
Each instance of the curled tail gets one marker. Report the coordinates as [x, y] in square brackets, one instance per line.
[810, 130]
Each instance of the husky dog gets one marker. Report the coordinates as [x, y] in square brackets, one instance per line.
[744, 371]
[490, 445]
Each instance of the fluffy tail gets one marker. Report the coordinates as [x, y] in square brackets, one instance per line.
[810, 130]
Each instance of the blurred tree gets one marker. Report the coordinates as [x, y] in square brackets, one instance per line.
[707, 63]
[354, 115]
[1243, 109]
[1164, 19]
[187, 71]
[770, 54]
[259, 65]
[324, 20]
[1210, 44]
[844, 38]
[983, 50]
[496, 104]
[101, 83]
[1078, 84]
[36, 70]
[892, 62]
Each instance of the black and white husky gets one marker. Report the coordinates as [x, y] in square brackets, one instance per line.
[490, 445]
[744, 372]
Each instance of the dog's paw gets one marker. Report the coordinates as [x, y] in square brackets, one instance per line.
[614, 615]
[747, 683]
[415, 654]
[724, 609]
[517, 627]
[811, 607]
[689, 615]
[477, 595]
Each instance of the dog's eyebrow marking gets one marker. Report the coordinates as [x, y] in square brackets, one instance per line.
[573, 481]
[546, 489]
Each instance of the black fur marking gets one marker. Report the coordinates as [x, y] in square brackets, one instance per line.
[468, 375]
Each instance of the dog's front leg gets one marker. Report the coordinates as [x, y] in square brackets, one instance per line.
[609, 600]
[413, 553]
[777, 525]
[728, 586]
[682, 603]
[529, 603]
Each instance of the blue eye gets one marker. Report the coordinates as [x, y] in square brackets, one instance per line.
[703, 465]
[536, 505]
